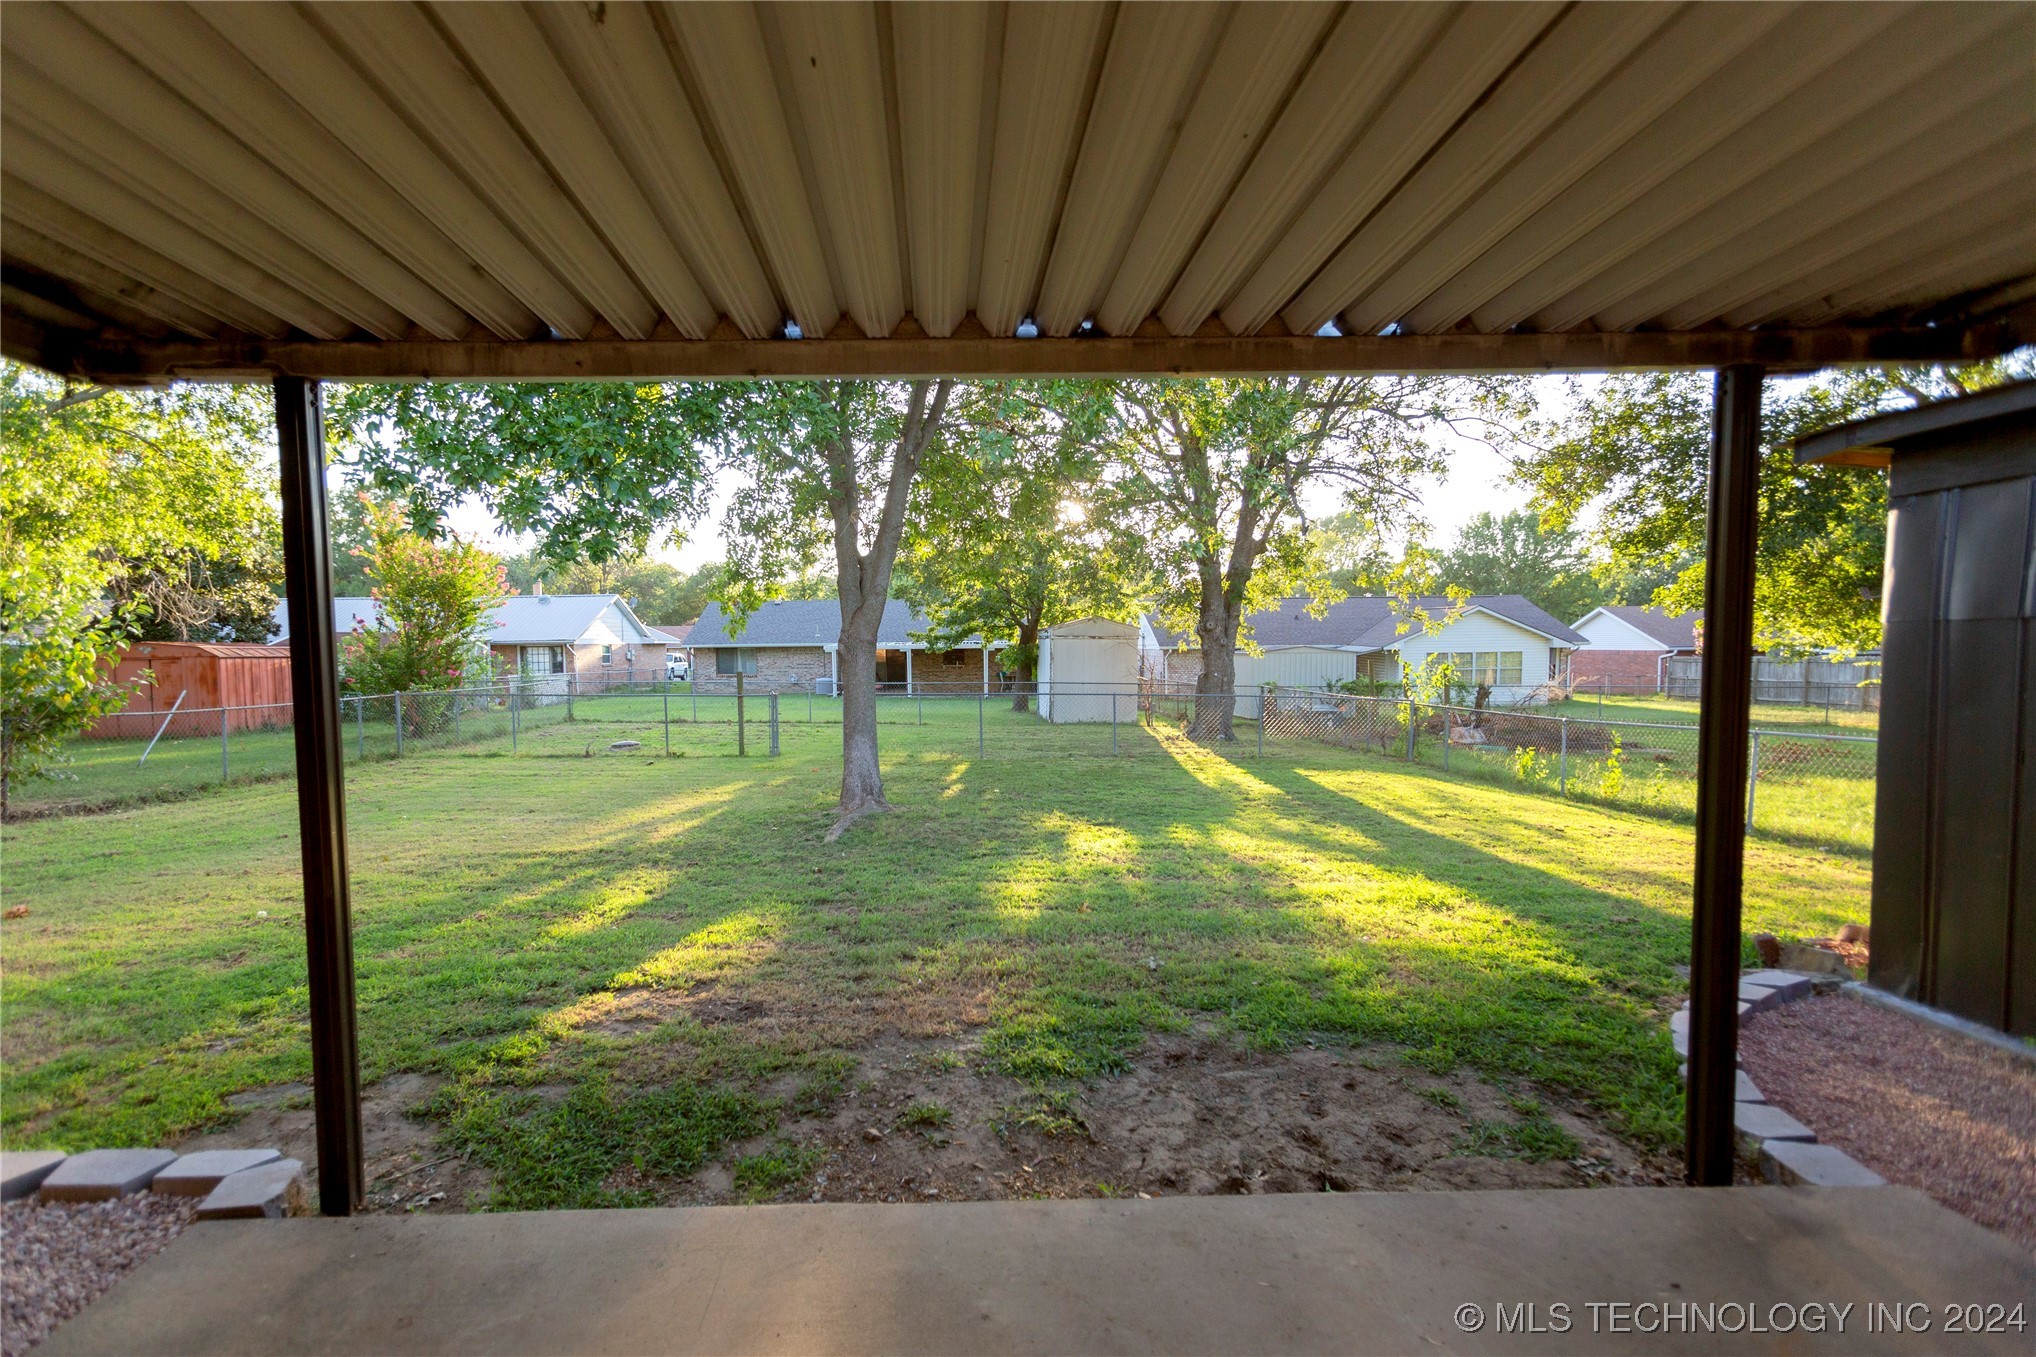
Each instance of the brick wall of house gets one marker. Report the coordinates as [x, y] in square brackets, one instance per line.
[948, 671]
[778, 669]
[1623, 670]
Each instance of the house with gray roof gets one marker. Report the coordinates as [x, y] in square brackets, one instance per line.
[1627, 649]
[1500, 640]
[596, 638]
[791, 646]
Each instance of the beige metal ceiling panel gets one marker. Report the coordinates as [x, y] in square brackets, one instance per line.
[1685, 53]
[1050, 57]
[403, 53]
[1264, 49]
[127, 257]
[1893, 191]
[1892, 134]
[939, 50]
[618, 61]
[1447, 81]
[1901, 254]
[1995, 254]
[1805, 40]
[1360, 62]
[835, 67]
[1836, 120]
[140, 133]
[191, 59]
[65, 133]
[299, 59]
[1155, 62]
[729, 71]
[90, 278]
[1590, 43]
[34, 162]
[503, 44]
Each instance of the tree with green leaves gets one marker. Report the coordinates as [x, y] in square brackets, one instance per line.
[1008, 542]
[601, 470]
[432, 600]
[833, 462]
[1516, 554]
[660, 593]
[1210, 477]
[1634, 450]
[109, 502]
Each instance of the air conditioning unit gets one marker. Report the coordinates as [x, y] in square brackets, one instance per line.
[824, 687]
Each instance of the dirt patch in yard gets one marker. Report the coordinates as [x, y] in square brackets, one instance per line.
[1917, 1104]
[405, 1169]
[925, 1121]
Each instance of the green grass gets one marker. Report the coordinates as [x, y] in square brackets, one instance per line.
[1683, 711]
[533, 929]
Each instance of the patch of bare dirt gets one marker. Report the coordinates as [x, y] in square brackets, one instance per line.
[1919, 1105]
[923, 1121]
[406, 1171]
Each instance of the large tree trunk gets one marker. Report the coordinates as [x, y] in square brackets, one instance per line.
[1028, 668]
[862, 781]
[1216, 686]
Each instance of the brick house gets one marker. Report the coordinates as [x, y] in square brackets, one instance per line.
[790, 646]
[1627, 648]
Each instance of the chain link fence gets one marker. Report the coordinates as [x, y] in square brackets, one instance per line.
[1811, 783]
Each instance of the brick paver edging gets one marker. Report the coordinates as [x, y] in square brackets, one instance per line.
[234, 1183]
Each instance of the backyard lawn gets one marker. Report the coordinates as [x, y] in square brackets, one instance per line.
[613, 978]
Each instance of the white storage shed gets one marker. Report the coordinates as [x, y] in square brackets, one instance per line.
[1087, 666]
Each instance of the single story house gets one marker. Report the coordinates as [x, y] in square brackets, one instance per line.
[790, 645]
[1626, 649]
[1498, 639]
[596, 638]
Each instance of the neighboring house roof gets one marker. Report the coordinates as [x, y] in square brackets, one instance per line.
[1677, 633]
[1370, 622]
[809, 622]
[678, 635]
[524, 620]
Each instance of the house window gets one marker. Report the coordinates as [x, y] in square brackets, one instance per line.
[1497, 668]
[544, 661]
[607, 654]
[729, 661]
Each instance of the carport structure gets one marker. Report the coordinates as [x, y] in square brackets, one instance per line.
[296, 193]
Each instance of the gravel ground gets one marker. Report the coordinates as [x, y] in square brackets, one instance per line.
[1921, 1106]
[56, 1258]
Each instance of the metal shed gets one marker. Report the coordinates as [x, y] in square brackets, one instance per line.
[253, 681]
[1088, 671]
[1954, 853]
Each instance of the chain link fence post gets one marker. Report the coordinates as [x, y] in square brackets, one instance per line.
[741, 731]
[980, 701]
[1563, 777]
[668, 721]
[225, 758]
[1447, 721]
[1413, 715]
[515, 706]
[1113, 724]
[398, 699]
[774, 725]
[1752, 780]
[456, 704]
[1261, 727]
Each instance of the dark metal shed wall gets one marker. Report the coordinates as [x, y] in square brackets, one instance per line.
[1954, 894]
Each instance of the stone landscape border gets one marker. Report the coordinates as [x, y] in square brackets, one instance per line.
[235, 1184]
[1786, 1150]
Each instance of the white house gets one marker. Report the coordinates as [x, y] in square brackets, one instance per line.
[1498, 639]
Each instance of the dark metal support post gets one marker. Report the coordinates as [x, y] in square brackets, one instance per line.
[1723, 719]
[321, 795]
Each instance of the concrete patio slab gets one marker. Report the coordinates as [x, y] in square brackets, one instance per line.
[1363, 1272]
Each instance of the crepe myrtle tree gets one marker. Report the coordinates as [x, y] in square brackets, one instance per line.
[832, 464]
[1006, 542]
[1214, 477]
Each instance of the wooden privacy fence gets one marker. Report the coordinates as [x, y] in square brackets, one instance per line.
[1808, 682]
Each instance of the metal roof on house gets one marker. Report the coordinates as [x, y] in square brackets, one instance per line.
[568, 190]
[526, 619]
[1369, 622]
[1675, 632]
[810, 622]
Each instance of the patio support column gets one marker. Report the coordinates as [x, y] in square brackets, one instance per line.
[321, 795]
[986, 666]
[1727, 687]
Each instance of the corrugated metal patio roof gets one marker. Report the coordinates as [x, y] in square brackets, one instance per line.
[622, 189]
